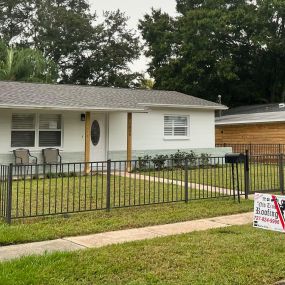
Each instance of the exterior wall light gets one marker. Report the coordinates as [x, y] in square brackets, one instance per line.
[83, 117]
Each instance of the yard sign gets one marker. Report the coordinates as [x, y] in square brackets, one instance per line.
[269, 212]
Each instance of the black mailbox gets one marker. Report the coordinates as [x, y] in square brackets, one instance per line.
[234, 158]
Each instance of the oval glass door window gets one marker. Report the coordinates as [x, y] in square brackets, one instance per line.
[95, 133]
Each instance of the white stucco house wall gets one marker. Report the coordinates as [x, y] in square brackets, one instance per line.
[37, 116]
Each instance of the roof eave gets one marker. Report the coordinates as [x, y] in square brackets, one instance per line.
[179, 106]
[61, 108]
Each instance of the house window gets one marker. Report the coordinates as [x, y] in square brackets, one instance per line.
[49, 130]
[176, 126]
[36, 130]
[23, 130]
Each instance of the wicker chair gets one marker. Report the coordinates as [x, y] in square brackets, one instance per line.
[51, 157]
[23, 156]
[24, 163]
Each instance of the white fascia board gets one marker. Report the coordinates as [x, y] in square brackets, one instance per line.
[80, 109]
[222, 107]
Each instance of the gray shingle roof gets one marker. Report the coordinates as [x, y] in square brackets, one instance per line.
[253, 114]
[251, 109]
[34, 95]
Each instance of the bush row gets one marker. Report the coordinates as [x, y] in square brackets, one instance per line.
[177, 160]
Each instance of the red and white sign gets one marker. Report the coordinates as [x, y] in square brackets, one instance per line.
[269, 212]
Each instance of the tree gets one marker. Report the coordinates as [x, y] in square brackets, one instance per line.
[15, 16]
[85, 51]
[105, 60]
[218, 47]
[24, 64]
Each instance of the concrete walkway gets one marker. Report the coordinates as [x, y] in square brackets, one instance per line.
[219, 191]
[116, 237]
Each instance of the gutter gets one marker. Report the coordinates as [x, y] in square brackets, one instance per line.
[58, 108]
[178, 106]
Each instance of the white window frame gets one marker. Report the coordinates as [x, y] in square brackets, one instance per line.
[173, 137]
[37, 130]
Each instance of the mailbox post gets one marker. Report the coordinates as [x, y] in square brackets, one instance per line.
[235, 159]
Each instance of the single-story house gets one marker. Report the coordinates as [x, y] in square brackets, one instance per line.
[95, 124]
[257, 124]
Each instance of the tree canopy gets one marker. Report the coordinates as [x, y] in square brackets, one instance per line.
[85, 50]
[25, 64]
[233, 48]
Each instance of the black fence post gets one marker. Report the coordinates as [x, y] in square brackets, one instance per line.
[246, 174]
[108, 193]
[186, 186]
[281, 173]
[9, 194]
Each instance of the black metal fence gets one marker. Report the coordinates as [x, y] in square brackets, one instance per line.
[256, 149]
[45, 190]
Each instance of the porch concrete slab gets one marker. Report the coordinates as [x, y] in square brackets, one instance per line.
[185, 227]
[235, 220]
[108, 238]
[36, 248]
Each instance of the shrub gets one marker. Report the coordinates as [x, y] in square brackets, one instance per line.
[143, 162]
[178, 158]
[205, 159]
[191, 157]
[159, 161]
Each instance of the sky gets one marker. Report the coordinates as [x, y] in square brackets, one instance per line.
[135, 10]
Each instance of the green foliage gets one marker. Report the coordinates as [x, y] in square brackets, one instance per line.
[175, 160]
[144, 162]
[232, 48]
[25, 64]
[205, 159]
[159, 161]
[86, 51]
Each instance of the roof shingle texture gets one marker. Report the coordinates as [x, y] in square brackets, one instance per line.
[75, 96]
[252, 109]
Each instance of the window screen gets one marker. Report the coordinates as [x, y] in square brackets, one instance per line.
[23, 130]
[175, 126]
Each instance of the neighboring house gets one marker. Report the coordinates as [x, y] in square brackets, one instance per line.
[95, 124]
[257, 124]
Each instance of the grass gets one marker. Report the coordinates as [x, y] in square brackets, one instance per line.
[263, 176]
[35, 197]
[100, 221]
[236, 255]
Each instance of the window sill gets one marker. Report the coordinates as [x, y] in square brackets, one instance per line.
[35, 149]
[176, 138]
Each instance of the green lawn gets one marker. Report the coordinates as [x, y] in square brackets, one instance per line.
[35, 197]
[101, 221]
[263, 176]
[227, 256]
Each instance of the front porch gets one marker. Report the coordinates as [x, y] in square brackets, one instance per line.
[79, 136]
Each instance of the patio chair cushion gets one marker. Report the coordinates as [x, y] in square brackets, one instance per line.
[22, 156]
[51, 155]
